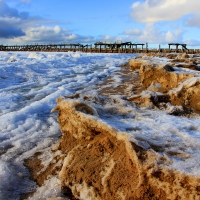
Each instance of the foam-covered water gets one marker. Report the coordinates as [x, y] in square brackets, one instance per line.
[29, 86]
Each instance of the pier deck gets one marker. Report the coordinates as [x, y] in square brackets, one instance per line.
[99, 47]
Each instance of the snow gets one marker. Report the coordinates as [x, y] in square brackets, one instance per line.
[29, 86]
[185, 84]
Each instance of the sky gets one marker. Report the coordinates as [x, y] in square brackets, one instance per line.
[89, 21]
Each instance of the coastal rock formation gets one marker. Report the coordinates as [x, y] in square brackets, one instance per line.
[187, 94]
[135, 64]
[94, 161]
[102, 163]
[164, 84]
[161, 73]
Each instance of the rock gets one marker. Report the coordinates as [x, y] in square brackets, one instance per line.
[135, 64]
[156, 88]
[98, 158]
[191, 61]
[102, 163]
[182, 56]
[188, 66]
[187, 94]
[161, 73]
[178, 60]
[147, 101]
[171, 55]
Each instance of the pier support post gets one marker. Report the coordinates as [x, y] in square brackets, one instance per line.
[146, 47]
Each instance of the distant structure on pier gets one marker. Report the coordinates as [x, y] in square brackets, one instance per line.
[118, 47]
[177, 45]
[99, 47]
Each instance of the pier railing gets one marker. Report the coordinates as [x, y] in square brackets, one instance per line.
[99, 47]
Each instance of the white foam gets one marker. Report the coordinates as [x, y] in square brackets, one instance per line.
[54, 190]
[29, 86]
[28, 89]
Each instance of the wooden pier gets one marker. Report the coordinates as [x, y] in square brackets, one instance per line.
[126, 47]
[45, 47]
[99, 47]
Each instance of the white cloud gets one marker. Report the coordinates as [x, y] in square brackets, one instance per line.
[13, 23]
[136, 4]
[194, 20]
[152, 34]
[152, 11]
[19, 27]
[57, 29]
[192, 42]
[134, 31]
[177, 36]
[47, 34]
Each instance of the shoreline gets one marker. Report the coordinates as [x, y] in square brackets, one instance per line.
[147, 101]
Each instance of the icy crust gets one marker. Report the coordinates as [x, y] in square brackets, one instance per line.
[102, 163]
[163, 74]
[165, 83]
[29, 84]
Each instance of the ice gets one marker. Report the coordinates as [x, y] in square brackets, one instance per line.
[53, 191]
[9, 186]
[30, 82]
[178, 134]
[185, 84]
[29, 86]
[36, 55]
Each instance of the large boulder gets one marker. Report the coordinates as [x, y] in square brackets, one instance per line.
[102, 163]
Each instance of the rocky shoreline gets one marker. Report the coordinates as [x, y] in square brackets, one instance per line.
[93, 160]
[177, 82]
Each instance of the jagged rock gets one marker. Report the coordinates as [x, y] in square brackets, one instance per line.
[146, 101]
[102, 163]
[178, 60]
[171, 56]
[182, 56]
[135, 64]
[161, 78]
[187, 94]
[185, 65]
[162, 74]
[190, 61]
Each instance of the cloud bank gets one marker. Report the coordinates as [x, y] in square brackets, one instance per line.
[47, 34]
[20, 27]
[10, 20]
[152, 34]
[193, 21]
[152, 11]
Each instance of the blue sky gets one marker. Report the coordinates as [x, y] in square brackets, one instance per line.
[89, 21]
